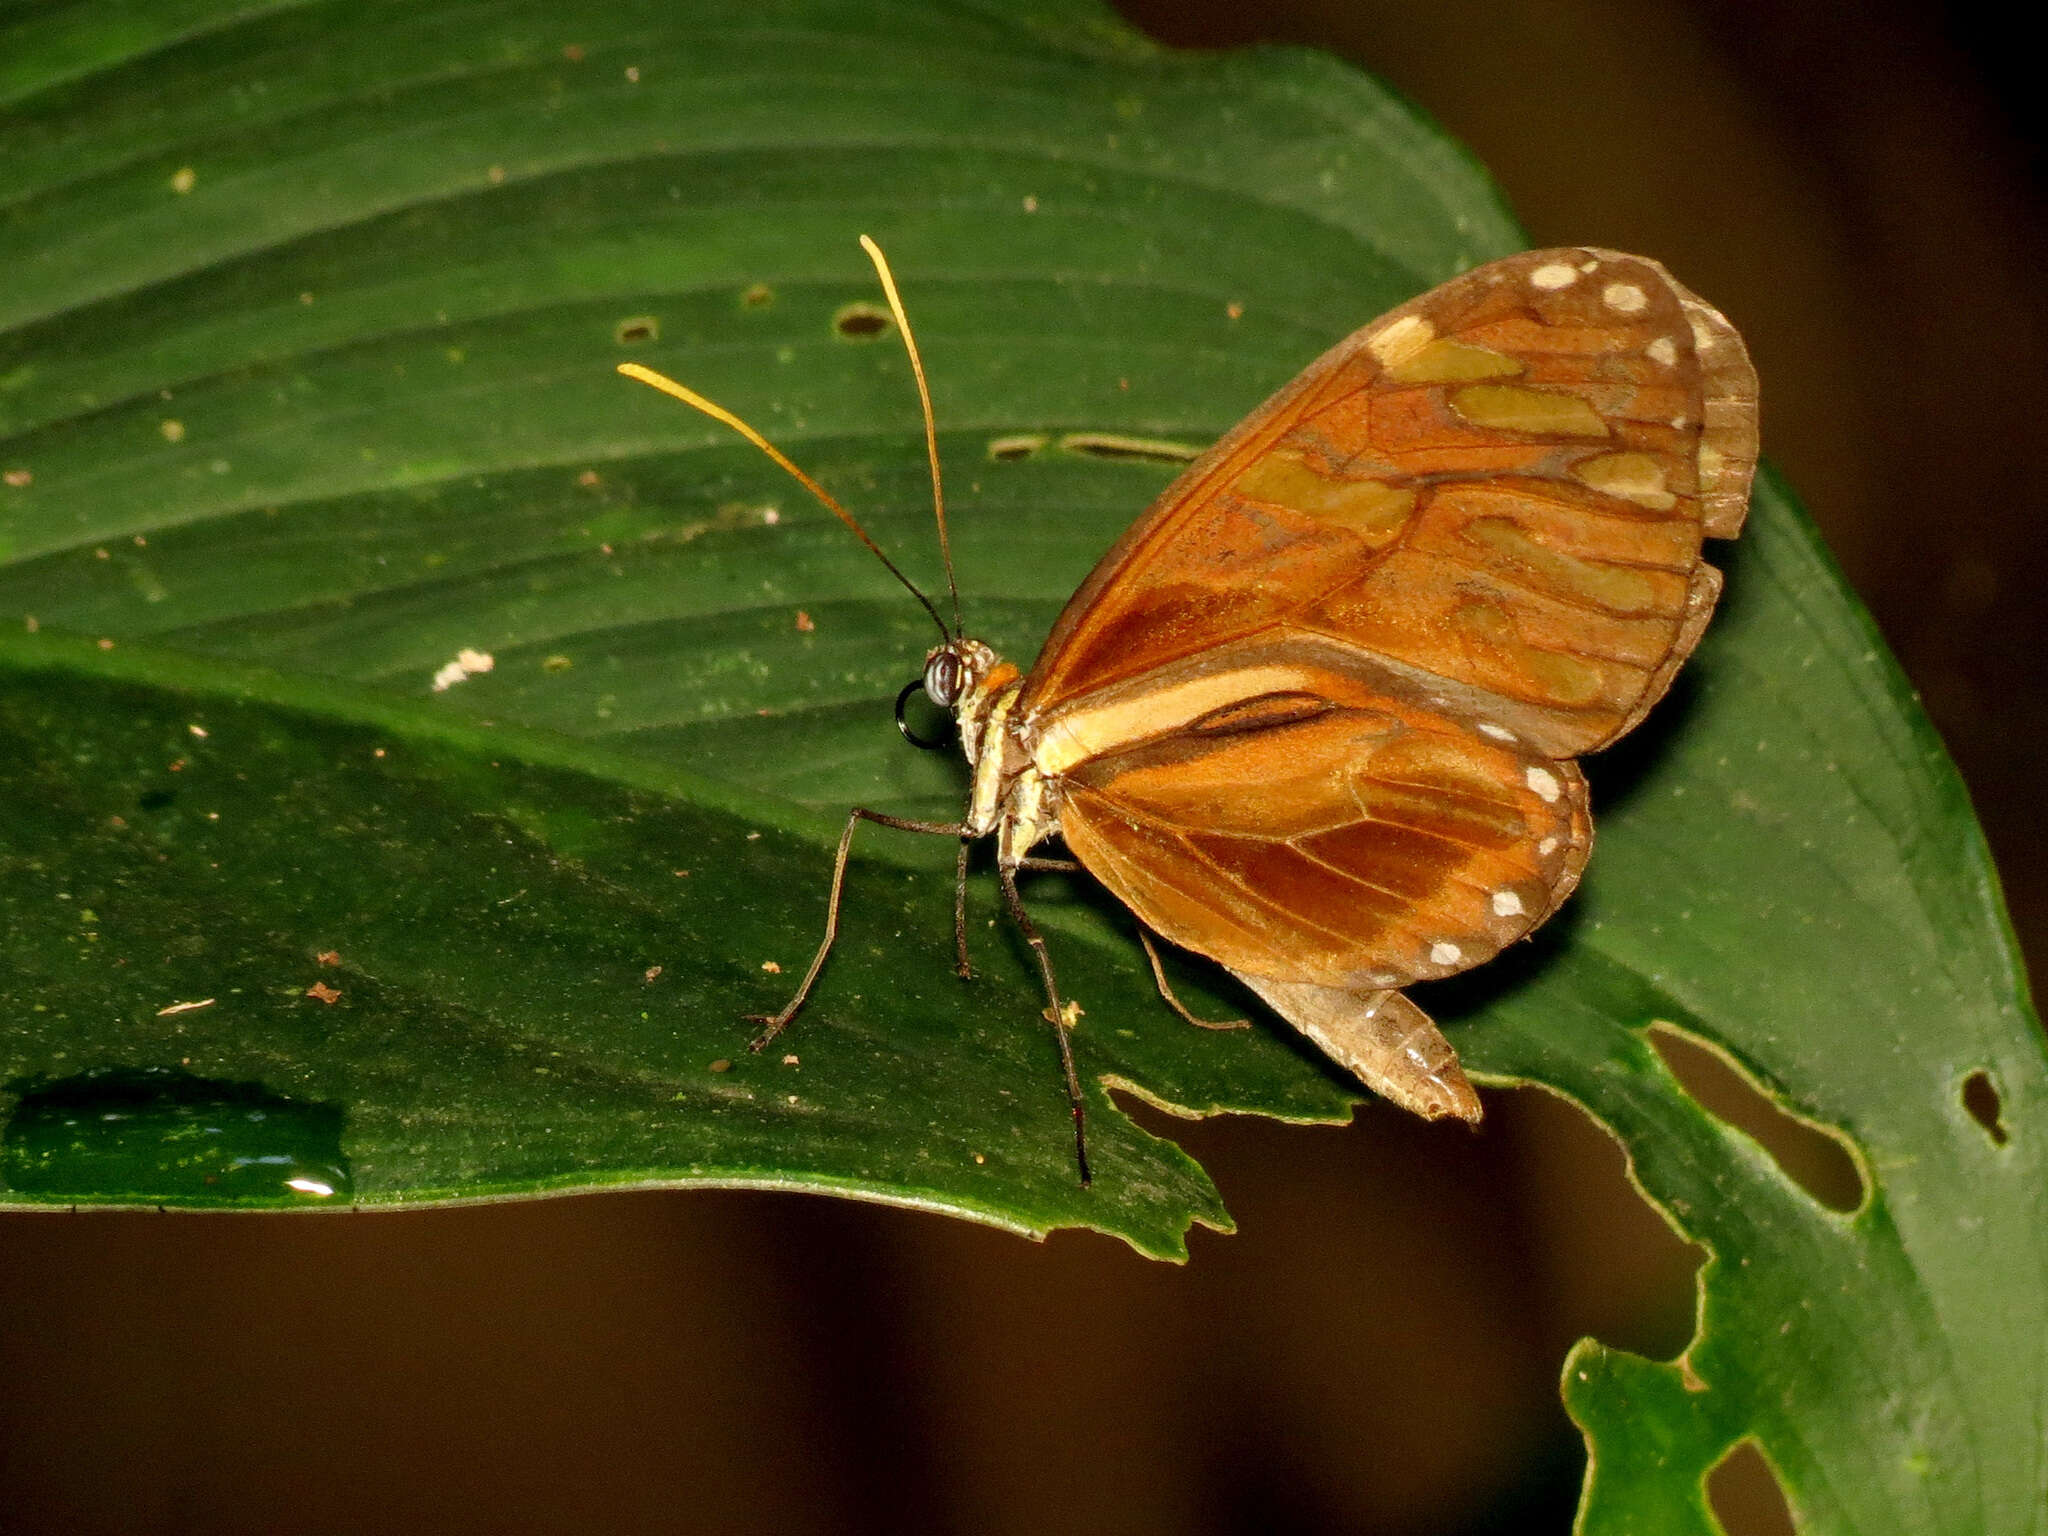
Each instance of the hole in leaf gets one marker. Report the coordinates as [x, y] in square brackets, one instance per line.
[1744, 1494]
[1980, 1098]
[1819, 1160]
[756, 296]
[1007, 450]
[1604, 1260]
[1108, 445]
[637, 331]
[1485, 1256]
[863, 321]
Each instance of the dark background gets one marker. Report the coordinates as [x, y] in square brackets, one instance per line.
[1857, 185]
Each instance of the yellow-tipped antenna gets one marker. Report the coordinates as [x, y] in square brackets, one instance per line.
[716, 412]
[924, 399]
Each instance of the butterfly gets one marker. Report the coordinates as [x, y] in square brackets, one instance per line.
[1315, 715]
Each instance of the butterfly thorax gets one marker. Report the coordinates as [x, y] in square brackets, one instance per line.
[1011, 798]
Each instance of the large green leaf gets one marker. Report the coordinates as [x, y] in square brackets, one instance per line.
[305, 389]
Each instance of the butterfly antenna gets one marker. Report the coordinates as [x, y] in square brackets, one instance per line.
[924, 398]
[716, 412]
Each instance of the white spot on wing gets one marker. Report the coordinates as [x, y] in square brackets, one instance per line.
[1547, 847]
[1497, 732]
[1444, 952]
[1663, 350]
[1544, 783]
[1506, 904]
[1624, 298]
[1554, 275]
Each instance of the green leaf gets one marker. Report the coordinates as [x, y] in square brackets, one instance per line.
[306, 389]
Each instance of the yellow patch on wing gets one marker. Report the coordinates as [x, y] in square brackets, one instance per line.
[1372, 509]
[1566, 680]
[1452, 362]
[1514, 408]
[1618, 588]
[1636, 477]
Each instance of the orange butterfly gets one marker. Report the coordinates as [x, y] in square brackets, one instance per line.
[1314, 715]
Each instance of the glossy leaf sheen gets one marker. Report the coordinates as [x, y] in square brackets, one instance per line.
[305, 387]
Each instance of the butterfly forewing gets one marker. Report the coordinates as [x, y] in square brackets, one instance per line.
[1502, 485]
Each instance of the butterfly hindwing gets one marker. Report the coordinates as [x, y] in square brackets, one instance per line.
[1359, 844]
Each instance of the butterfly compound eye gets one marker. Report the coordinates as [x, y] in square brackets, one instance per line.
[943, 677]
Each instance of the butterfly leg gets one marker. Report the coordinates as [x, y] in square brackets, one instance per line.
[1056, 1011]
[776, 1022]
[965, 970]
[1165, 991]
[1075, 867]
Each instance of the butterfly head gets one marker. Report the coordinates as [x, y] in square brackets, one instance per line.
[952, 668]
[953, 672]
[971, 683]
